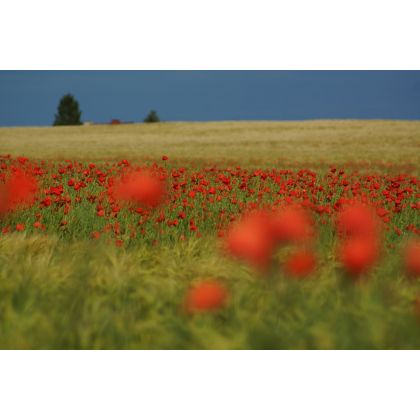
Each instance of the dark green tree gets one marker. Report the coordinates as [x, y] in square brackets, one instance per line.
[152, 117]
[68, 112]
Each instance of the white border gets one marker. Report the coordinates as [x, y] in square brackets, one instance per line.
[217, 34]
[209, 385]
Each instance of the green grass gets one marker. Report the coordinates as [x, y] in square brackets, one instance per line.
[60, 295]
[61, 290]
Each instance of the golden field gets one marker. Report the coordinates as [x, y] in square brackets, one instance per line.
[262, 143]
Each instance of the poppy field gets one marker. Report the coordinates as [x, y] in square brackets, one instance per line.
[171, 252]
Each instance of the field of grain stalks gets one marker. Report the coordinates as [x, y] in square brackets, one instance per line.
[257, 143]
[81, 270]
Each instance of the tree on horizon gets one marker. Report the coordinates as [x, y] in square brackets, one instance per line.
[68, 112]
[152, 117]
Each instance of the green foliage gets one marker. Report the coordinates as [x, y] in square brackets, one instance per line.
[92, 295]
[61, 290]
[152, 117]
[68, 112]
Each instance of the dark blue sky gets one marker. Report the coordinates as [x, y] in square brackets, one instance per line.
[31, 97]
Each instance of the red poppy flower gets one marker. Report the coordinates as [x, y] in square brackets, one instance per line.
[142, 188]
[18, 191]
[251, 239]
[357, 220]
[20, 227]
[358, 255]
[300, 264]
[412, 259]
[208, 295]
[95, 235]
[291, 225]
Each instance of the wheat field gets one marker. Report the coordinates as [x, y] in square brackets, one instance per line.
[309, 142]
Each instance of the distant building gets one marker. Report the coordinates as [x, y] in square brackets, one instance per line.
[114, 121]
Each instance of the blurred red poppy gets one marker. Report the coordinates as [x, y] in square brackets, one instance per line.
[358, 255]
[251, 239]
[300, 264]
[140, 188]
[208, 295]
[357, 220]
[412, 259]
[18, 191]
[20, 227]
[291, 225]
